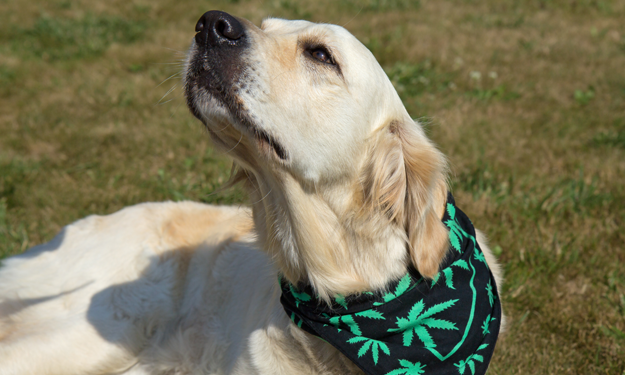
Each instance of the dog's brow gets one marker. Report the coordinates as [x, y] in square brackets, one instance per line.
[311, 41]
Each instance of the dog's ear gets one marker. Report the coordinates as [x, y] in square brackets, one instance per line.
[406, 178]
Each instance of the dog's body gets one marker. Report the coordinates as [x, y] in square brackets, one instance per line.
[158, 288]
[347, 193]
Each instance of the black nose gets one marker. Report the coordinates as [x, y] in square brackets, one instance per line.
[215, 28]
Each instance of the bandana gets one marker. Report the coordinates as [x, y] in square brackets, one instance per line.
[447, 325]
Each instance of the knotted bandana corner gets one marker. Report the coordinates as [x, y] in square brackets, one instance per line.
[447, 325]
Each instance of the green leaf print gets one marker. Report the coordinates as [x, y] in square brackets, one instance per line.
[408, 368]
[486, 325]
[456, 233]
[293, 317]
[449, 273]
[340, 299]
[419, 320]
[299, 297]
[491, 295]
[370, 344]
[402, 287]
[478, 255]
[371, 314]
[469, 362]
[348, 320]
[449, 277]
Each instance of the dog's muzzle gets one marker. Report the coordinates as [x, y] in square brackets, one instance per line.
[217, 72]
[216, 62]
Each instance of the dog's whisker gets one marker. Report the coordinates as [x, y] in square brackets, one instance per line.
[179, 73]
[282, 73]
[263, 198]
[165, 102]
[222, 129]
[173, 50]
[235, 146]
[252, 192]
[180, 62]
[167, 93]
[354, 17]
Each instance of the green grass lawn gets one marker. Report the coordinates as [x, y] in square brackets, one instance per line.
[527, 99]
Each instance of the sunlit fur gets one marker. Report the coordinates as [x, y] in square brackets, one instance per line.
[363, 189]
[185, 288]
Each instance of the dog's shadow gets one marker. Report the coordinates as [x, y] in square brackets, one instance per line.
[139, 309]
[126, 314]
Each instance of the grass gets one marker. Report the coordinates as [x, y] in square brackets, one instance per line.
[526, 98]
[82, 38]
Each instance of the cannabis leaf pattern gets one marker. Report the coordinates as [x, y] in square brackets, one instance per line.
[456, 233]
[340, 299]
[418, 320]
[372, 344]
[478, 255]
[417, 328]
[402, 287]
[299, 324]
[491, 295]
[299, 296]
[462, 365]
[449, 273]
[485, 325]
[408, 368]
[371, 314]
[349, 321]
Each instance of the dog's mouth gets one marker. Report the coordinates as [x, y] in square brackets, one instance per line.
[216, 72]
[238, 117]
[265, 141]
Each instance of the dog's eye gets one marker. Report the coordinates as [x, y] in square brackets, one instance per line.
[321, 54]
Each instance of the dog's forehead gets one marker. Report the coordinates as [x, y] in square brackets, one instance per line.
[333, 34]
[349, 51]
[280, 26]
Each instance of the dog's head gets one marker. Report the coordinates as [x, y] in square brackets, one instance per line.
[334, 158]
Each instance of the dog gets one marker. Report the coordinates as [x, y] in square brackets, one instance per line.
[349, 201]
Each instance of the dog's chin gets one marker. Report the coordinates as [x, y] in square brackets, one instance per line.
[217, 116]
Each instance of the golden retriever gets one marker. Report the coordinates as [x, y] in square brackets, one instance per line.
[347, 193]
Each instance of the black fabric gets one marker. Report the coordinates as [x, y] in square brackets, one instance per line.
[448, 325]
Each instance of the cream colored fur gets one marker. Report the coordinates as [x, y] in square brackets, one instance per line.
[186, 288]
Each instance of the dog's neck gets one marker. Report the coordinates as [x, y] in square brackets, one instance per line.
[323, 238]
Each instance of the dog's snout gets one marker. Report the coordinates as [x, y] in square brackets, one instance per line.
[216, 28]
